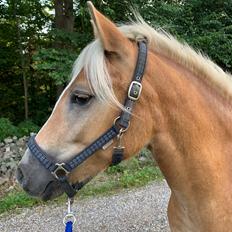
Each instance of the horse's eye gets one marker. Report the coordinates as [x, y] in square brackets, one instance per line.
[81, 98]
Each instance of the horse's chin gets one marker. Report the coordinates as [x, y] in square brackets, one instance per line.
[51, 191]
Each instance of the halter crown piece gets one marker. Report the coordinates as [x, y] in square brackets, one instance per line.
[60, 171]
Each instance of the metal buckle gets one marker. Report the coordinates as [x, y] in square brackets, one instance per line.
[122, 129]
[134, 90]
[60, 171]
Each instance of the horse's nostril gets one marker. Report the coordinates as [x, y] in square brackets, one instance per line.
[19, 175]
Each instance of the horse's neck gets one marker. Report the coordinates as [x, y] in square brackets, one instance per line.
[193, 146]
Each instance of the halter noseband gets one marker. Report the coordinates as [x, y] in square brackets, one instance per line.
[61, 170]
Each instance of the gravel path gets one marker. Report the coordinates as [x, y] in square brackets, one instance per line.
[139, 210]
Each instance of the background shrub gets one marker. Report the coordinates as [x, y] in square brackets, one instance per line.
[24, 128]
[7, 129]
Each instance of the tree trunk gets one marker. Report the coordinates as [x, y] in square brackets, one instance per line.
[22, 61]
[64, 20]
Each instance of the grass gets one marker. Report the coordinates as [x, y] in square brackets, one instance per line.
[132, 173]
[16, 199]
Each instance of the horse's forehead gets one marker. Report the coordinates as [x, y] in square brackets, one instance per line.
[79, 82]
[80, 79]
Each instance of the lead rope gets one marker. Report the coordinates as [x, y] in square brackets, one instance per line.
[69, 219]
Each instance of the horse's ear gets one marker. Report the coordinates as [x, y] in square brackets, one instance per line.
[112, 39]
[94, 29]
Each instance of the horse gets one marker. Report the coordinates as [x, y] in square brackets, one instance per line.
[183, 115]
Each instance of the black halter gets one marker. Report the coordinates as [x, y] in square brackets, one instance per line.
[61, 170]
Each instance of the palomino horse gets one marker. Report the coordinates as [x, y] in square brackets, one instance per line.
[184, 114]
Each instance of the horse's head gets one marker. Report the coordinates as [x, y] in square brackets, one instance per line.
[86, 109]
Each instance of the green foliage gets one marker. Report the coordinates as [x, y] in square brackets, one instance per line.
[6, 128]
[22, 25]
[56, 63]
[206, 25]
[24, 128]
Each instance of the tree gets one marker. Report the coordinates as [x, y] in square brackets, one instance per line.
[38, 48]
[21, 24]
[64, 21]
[55, 59]
[207, 25]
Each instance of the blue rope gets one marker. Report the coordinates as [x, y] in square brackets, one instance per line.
[68, 227]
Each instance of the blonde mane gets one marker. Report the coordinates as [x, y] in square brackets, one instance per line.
[92, 61]
[165, 44]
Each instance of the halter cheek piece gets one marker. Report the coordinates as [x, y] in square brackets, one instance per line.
[61, 170]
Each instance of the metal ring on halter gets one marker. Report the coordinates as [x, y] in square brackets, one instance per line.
[69, 217]
[122, 129]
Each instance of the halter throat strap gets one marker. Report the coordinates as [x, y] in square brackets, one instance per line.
[60, 171]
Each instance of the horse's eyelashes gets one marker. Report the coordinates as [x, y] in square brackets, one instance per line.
[110, 55]
[81, 98]
[107, 53]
